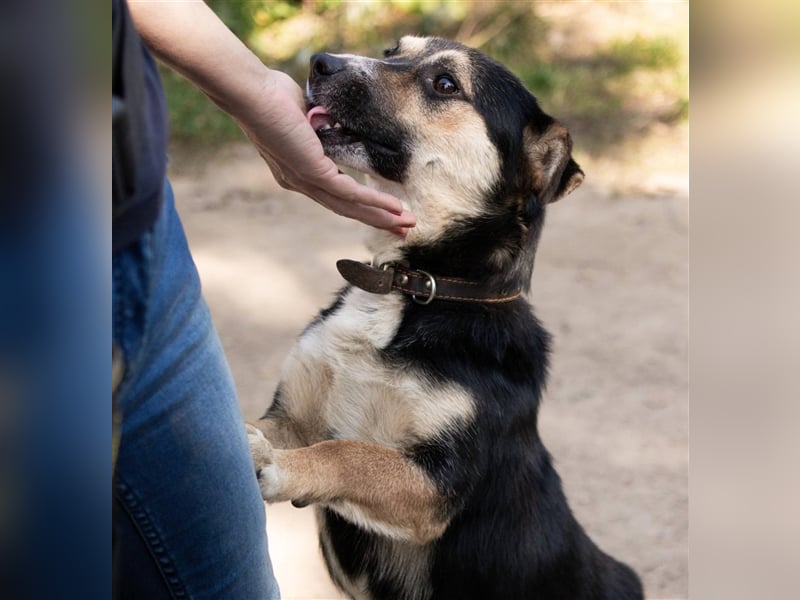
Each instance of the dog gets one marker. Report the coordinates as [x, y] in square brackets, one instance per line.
[407, 410]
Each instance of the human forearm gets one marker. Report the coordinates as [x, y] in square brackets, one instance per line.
[189, 37]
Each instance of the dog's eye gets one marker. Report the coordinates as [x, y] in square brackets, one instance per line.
[444, 84]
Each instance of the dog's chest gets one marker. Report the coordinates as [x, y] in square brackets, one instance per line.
[338, 384]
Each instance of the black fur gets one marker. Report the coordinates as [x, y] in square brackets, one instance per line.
[511, 533]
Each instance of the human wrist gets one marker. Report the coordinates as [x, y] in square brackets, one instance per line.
[273, 100]
[242, 93]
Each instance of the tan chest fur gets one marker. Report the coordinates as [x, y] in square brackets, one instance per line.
[336, 384]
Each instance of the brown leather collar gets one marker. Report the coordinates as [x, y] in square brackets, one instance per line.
[422, 286]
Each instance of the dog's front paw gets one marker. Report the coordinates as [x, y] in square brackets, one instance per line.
[271, 483]
[270, 476]
[260, 448]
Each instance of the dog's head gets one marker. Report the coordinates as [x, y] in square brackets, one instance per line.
[456, 136]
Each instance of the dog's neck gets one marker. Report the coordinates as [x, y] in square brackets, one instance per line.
[436, 208]
[386, 246]
[471, 255]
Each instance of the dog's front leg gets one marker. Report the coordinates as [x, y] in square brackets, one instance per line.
[371, 485]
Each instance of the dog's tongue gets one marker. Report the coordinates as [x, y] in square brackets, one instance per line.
[318, 117]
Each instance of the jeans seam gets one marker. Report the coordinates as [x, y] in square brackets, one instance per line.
[151, 539]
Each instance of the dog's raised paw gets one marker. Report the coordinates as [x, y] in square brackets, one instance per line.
[260, 448]
[271, 483]
[270, 477]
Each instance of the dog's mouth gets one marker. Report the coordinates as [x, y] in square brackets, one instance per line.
[328, 128]
[332, 131]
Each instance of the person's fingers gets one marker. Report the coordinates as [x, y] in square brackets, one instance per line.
[376, 217]
[370, 215]
[347, 188]
[322, 181]
[326, 175]
[400, 231]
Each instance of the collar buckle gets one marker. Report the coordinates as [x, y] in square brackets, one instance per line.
[430, 285]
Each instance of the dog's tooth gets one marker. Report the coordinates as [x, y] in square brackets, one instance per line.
[337, 125]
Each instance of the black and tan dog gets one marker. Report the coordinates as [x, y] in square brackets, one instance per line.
[407, 411]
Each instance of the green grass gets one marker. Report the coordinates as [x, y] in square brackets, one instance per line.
[605, 97]
[658, 53]
[192, 116]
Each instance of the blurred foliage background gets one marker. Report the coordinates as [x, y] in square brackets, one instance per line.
[611, 78]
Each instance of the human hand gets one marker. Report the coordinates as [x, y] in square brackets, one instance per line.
[276, 124]
[267, 104]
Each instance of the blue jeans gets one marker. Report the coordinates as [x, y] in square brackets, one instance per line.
[188, 517]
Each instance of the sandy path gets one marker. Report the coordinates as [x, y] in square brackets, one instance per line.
[610, 284]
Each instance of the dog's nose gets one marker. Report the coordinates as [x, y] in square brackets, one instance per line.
[323, 65]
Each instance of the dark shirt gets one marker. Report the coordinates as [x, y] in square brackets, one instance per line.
[140, 133]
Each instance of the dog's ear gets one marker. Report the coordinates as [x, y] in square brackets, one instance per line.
[554, 172]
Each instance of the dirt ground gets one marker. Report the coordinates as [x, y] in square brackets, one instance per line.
[610, 283]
